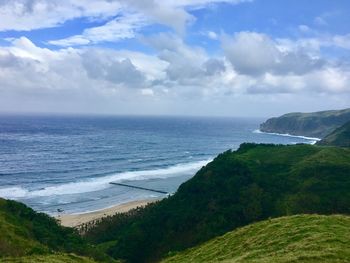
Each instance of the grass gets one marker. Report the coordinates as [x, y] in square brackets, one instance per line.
[53, 258]
[314, 124]
[28, 236]
[15, 239]
[339, 137]
[299, 238]
[254, 183]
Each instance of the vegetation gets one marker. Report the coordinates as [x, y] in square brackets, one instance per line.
[251, 184]
[51, 258]
[340, 137]
[254, 183]
[25, 232]
[301, 238]
[316, 124]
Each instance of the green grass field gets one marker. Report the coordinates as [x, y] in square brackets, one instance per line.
[300, 238]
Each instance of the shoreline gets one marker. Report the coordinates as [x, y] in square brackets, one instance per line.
[313, 139]
[73, 220]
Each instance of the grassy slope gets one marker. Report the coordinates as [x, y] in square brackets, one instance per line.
[15, 238]
[339, 137]
[24, 232]
[53, 258]
[315, 124]
[237, 188]
[301, 238]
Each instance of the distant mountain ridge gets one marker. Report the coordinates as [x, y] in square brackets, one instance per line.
[339, 137]
[314, 124]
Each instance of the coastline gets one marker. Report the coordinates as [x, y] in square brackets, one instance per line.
[73, 220]
[312, 139]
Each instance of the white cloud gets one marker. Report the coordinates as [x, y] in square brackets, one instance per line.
[147, 92]
[122, 27]
[304, 28]
[104, 66]
[212, 35]
[186, 65]
[25, 66]
[176, 74]
[161, 12]
[320, 21]
[35, 14]
[314, 44]
[173, 13]
[342, 41]
[254, 54]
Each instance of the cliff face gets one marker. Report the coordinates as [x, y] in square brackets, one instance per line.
[339, 137]
[316, 124]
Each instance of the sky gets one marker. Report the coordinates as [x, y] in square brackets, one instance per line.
[248, 58]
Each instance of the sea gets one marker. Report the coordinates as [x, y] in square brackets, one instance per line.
[65, 164]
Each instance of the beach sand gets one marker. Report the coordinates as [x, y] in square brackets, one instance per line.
[77, 219]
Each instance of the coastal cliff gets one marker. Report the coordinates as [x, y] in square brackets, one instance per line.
[315, 124]
[339, 137]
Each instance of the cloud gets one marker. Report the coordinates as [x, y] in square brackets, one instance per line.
[304, 28]
[147, 92]
[315, 43]
[122, 27]
[175, 72]
[212, 35]
[214, 66]
[253, 54]
[186, 65]
[328, 80]
[161, 12]
[36, 14]
[172, 13]
[100, 65]
[28, 68]
[320, 21]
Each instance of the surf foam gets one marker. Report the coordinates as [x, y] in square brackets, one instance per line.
[312, 140]
[100, 183]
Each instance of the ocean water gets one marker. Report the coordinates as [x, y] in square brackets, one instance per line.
[67, 163]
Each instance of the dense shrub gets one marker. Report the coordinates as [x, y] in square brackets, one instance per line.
[237, 188]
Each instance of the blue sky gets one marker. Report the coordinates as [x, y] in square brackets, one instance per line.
[184, 57]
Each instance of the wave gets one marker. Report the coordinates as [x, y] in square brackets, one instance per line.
[100, 183]
[13, 192]
[312, 139]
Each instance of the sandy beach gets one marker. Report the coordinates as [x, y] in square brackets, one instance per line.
[77, 219]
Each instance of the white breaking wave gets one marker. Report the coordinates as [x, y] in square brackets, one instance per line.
[312, 140]
[13, 192]
[100, 183]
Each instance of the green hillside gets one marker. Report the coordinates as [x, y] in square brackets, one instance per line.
[51, 258]
[25, 232]
[340, 137]
[239, 187]
[314, 124]
[301, 238]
